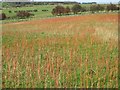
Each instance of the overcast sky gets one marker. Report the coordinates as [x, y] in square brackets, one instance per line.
[83, 0]
[98, 1]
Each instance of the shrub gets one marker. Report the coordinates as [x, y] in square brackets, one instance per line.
[58, 10]
[35, 10]
[54, 12]
[32, 15]
[44, 10]
[76, 8]
[23, 14]
[96, 8]
[67, 10]
[10, 11]
[112, 7]
[93, 8]
[100, 7]
[83, 9]
[15, 11]
[2, 16]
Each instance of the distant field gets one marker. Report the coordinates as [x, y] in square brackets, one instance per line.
[38, 15]
[76, 51]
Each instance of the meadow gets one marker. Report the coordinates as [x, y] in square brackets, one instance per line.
[41, 14]
[71, 52]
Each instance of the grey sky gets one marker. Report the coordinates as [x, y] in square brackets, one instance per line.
[100, 1]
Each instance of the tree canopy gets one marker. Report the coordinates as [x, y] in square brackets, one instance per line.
[76, 8]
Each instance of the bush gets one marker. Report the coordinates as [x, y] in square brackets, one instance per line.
[23, 14]
[10, 11]
[76, 8]
[67, 10]
[93, 8]
[112, 7]
[58, 10]
[83, 9]
[35, 10]
[32, 14]
[54, 11]
[2, 16]
[98, 7]
[44, 10]
[15, 11]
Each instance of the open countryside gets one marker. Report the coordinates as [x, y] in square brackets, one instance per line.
[66, 51]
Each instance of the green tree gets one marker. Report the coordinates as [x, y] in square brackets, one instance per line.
[76, 8]
[100, 7]
[67, 10]
[58, 10]
[2, 16]
[93, 8]
[112, 7]
[23, 14]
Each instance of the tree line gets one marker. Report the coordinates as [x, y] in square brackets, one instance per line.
[19, 14]
[60, 10]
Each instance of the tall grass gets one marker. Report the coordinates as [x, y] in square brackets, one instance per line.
[59, 54]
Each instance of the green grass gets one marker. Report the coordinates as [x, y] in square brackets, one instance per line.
[40, 54]
[71, 74]
[38, 15]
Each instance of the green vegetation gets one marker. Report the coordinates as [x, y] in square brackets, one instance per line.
[40, 13]
[46, 11]
[66, 52]
[76, 8]
[61, 52]
[60, 10]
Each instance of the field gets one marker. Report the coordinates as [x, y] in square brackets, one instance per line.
[39, 14]
[75, 51]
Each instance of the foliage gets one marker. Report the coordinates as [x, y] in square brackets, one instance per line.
[35, 10]
[96, 8]
[67, 10]
[76, 8]
[58, 10]
[44, 11]
[23, 14]
[84, 9]
[100, 7]
[112, 7]
[10, 11]
[3, 16]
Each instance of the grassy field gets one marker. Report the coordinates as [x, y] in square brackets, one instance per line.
[76, 51]
[40, 14]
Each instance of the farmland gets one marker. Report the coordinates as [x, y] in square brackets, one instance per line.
[38, 7]
[75, 51]
[39, 14]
